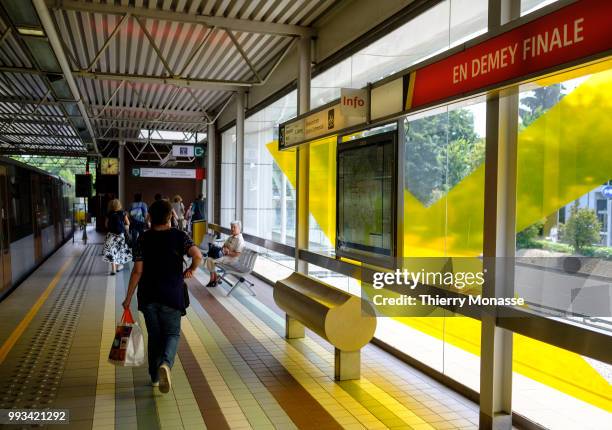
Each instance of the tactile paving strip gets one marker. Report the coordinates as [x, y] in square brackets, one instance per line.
[34, 380]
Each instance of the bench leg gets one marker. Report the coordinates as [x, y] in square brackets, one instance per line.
[293, 328]
[347, 364]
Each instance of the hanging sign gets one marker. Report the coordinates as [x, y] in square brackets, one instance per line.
[319, 123]
[183, 150]
[154, 172]
[571, 33]
[354, 102]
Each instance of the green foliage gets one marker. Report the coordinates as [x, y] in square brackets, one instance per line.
[527, 238]
[553, 246]
[539, 102]
[582, 228]
[442, 150]
[64, 167]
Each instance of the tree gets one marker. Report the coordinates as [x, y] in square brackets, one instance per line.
[582, 228]
[526, 238]
[441, 150]
[538, 102]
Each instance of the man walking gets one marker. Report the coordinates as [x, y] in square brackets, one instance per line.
[158, 274]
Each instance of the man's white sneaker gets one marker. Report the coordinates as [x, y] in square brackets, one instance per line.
[165, 381]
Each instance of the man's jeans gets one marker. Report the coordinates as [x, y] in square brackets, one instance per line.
[164, 329]
[136, 229]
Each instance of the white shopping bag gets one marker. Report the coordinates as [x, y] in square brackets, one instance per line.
[128, 344]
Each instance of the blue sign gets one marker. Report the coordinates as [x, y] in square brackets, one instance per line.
[607, 191]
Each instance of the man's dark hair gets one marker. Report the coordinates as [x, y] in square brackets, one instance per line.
[158, 197]
[200, 196]
[160, 212]
[137, 197]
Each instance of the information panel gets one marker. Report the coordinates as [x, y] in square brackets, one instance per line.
[366, 178]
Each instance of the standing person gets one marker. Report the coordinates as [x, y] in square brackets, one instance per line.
[198, 209]
[179, 210]
[232, 248]
[158, 274]
[116, 251]
[138, 216]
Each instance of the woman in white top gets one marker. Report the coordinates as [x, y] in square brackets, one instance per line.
[232, 248]
[179, 209]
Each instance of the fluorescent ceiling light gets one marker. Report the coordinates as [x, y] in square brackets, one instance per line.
[27, 31]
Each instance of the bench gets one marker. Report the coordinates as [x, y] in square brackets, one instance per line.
[240, 269]
[344, 320]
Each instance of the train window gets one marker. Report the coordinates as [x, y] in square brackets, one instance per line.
[46, 215]
[20, 213]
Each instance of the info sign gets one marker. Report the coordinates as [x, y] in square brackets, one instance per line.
[349, 111]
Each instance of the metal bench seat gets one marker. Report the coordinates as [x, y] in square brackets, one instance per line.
[240, 269]
[344, 320]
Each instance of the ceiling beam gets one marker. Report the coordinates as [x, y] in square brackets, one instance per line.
[56, 45]
[40, 135]
[234, 24]
[29, 101]
[186, 114]
[17, 150]
[198, 84]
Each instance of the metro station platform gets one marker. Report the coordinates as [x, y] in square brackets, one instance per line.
[234, 369]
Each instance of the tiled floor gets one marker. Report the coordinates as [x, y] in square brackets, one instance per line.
[233, 369]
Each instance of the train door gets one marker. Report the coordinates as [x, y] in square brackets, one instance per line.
[5, 254]
[56, 211]
[37, 216]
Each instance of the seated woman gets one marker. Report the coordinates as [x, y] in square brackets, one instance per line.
[232, 248]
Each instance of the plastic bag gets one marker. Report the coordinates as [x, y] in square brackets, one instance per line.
[128, 344]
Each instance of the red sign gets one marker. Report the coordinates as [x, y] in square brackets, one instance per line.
[200, 173]
[576, 31]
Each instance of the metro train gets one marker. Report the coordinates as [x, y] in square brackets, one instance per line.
[36, 219]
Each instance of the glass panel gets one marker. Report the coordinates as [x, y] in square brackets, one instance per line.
[228, 176]
[338, 280]
[563, 242]
[269, 175]
[322, 197]
[443, 211]
[447, 24]
[559, 389]
[528, 6]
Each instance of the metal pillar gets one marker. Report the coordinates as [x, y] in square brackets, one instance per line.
[609, 219]
[499, 240]
[283, 209]
[240, 156]
[303, 157]
[210, 172]
[122, 172]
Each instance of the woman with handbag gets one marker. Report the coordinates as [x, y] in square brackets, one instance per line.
[116, 251]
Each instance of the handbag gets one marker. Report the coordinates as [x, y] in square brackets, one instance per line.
[214, 251]
[128, 345]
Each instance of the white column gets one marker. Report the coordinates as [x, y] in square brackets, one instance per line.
[609, 218]
[303, 156]
[240, 156]
[211, 149]
[283, 209]
[499, 240]
[122, 174]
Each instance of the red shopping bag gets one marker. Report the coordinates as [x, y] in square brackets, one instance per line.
[128, 345]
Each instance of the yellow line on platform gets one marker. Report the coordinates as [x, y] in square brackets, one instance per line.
[25, 322]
